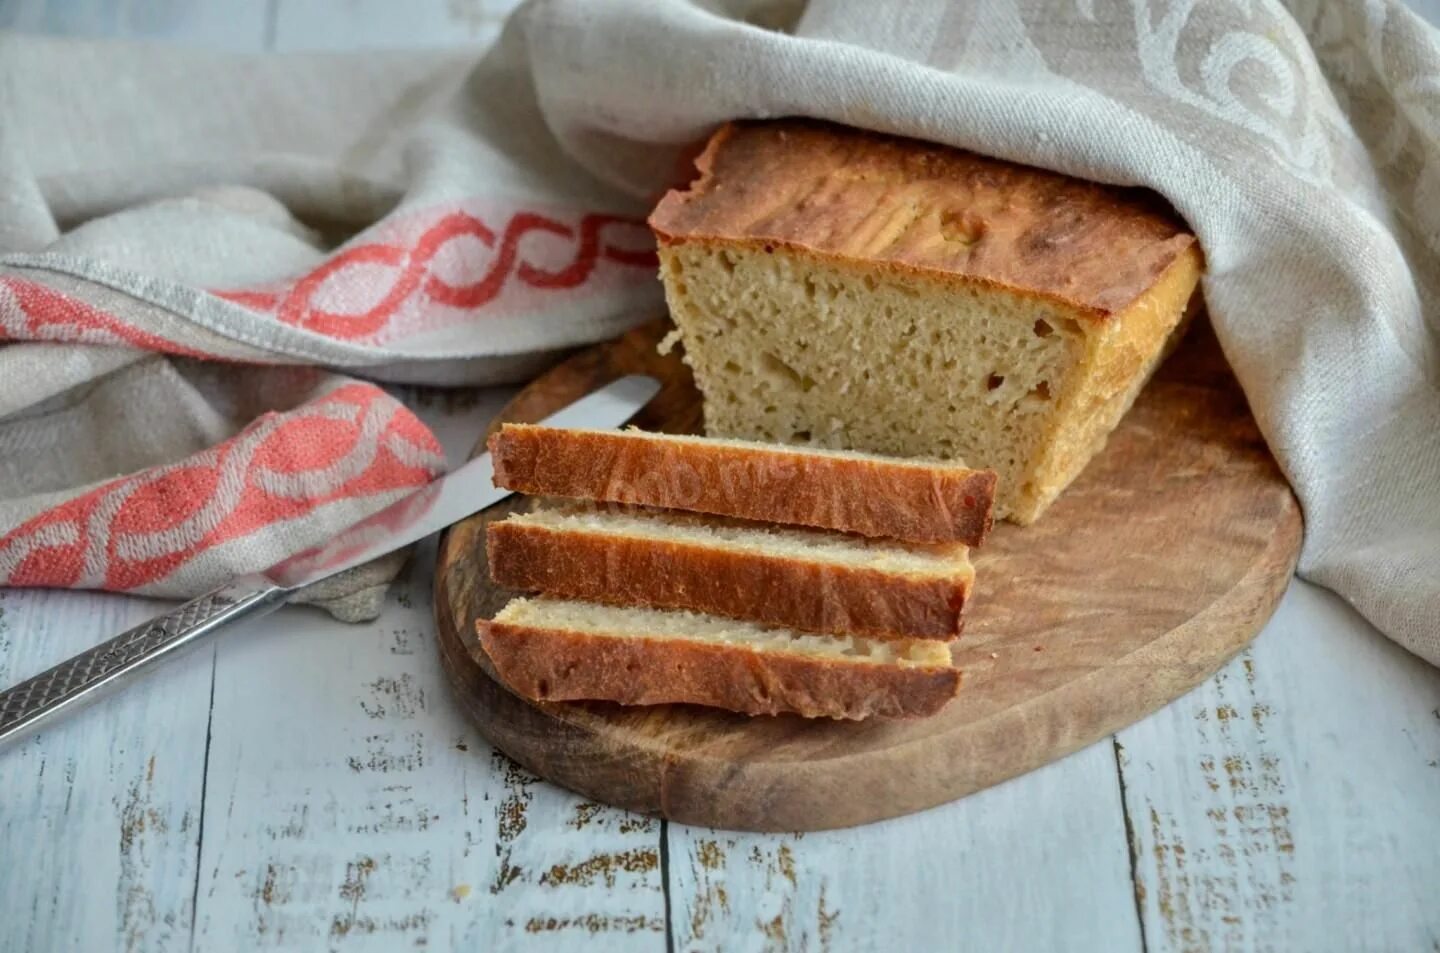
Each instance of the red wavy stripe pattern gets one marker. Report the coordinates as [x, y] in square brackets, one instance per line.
[34, 312]
[353, 443]
[412, 274]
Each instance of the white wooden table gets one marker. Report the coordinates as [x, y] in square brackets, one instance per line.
[310, 785]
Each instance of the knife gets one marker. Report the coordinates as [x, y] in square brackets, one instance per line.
[449, 499]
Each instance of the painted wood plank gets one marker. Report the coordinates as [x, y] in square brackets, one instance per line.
[384, 24]
[1338, 709]
[1293, 802]
[236, 25]
[99, 814]
[1429, 9]
[1038, 863]
[349, 805]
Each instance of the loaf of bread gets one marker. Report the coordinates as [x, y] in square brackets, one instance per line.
[556, 650]
[910, 500]
[846, 289]
[802, 579]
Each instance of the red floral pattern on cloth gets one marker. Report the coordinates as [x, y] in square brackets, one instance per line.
[417, 273]
[354, 442]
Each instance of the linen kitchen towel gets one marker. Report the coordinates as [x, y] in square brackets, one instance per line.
[228, 237]
[200, 250]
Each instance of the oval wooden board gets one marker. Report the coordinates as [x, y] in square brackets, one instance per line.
[1158, 564]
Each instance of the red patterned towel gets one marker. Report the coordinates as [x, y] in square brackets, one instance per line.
[169, 217]
[188, 239]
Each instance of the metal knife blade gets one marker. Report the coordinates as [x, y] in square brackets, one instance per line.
[460, 493]
[467, 490]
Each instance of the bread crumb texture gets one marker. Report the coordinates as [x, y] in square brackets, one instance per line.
[623, 622]
[964, 351]
[744, 537]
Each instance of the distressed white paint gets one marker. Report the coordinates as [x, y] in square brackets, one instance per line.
[235, 25]
[350, 804]
[99, 814]
[341, 812]
[1293, 801]
[1429, 9]
[1038, 863]
[385, 24]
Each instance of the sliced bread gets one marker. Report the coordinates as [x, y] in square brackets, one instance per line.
[912, 500]
[804, 579]
[556, 650]
[842, 288]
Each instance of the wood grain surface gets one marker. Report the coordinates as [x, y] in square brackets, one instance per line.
[1159, 564]
[1323, 841]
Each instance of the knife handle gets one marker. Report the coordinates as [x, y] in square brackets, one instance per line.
[83, 678]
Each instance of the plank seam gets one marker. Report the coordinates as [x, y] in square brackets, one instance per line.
[204, 781]
[665, 882]
[1132, 847]
[272, 24]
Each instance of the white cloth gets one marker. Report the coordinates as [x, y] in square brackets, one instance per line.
[170, 292]
[1302, 143]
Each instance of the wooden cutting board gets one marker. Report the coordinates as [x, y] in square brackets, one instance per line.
[1157, 565]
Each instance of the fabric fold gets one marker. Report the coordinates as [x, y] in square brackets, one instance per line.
[436, 218]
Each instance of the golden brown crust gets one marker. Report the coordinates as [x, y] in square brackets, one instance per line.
[1117, 364]
[788, 591]
[886, 201]
[943, 503]
[559, 665]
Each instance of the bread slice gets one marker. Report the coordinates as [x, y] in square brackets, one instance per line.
[804, 579]
[840, 288]
[555, 650]
[911, 500]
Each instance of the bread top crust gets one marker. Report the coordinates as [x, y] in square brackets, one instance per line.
[870, 198]
[911, 500]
